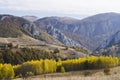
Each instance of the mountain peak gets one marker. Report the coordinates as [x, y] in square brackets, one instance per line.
[65, 20]
[101, 17]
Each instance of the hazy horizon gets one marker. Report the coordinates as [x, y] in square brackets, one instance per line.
[62, 8]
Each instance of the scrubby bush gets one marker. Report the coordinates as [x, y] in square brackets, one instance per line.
[29, 74]
[107, 71]
[66, 47]
[119, 61]
[57, 50]
[62, 69]
[81, 49]
[19, 76]
[88, 73]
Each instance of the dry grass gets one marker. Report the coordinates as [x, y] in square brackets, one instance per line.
[110, 77]
[22, 41]
[79, 75]
[26, 41]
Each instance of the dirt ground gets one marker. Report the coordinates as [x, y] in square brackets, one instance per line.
[79, 75]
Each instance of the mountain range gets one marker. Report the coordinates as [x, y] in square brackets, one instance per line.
[89, 32]
[94, 33]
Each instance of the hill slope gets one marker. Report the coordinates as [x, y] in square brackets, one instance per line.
[8, 29]
[13, 26]
[89, 32]
[111, 46]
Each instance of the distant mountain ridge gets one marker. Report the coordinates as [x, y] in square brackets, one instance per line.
[90, 32]
[14, 26]
[30, 18]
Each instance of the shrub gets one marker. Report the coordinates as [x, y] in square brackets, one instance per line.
[10, 45]
[66, 48]
[19, 76]
[57, 50]
[62, 69]
[87, 73]
[107, 71]
[29, 74]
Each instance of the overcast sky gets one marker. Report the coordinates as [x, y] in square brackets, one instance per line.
[72, 8]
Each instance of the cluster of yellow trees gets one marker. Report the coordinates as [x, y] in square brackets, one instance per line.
[90, 63]
[6, 71]
[38, 67]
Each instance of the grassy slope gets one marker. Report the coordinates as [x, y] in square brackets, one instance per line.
[8, 29]
[24, 40]
[47, 38]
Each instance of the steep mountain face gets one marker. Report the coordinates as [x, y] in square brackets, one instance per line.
[13, 26]
[61, 37]
[58, 28]
[111, 46]
[89, 32]
[113, 40]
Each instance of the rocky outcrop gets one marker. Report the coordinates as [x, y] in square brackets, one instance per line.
[111, 47]
[31, 27]
[113, 40]
[61, 37]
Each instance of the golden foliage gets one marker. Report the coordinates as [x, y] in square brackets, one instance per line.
[37, 67]
[6, 71]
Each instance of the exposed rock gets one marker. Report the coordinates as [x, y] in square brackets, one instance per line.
[113, 40]
[61, 37]
[31, 27]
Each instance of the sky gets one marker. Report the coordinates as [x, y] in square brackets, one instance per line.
[68, 8]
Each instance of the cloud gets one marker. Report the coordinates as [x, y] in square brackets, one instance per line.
[62, 6]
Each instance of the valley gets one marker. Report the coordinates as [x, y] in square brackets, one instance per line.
[54, 47]
[59, 39]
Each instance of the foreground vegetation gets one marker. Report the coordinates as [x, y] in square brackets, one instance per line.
[38, 67]
[97, 74]
[21, 55]
[17, 55]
